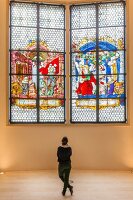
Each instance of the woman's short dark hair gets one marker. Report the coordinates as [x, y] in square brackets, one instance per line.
[64, 140]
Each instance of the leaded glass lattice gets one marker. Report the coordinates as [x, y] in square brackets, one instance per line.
[37, 63]
[98, 71]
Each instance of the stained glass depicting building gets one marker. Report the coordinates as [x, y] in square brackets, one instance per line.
[37, 63]
[98, 70]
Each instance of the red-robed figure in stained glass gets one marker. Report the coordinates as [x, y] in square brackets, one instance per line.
[86, 88]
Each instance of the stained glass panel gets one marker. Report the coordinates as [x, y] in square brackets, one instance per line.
[88, 13]
[84, 86]
[111, 38]
[23, 110]
[23, 62]
[111, 62]
[83, 63]
[82, 37]
[23, 86]
[98, 75]
[83, 110]
[53, 38]
[21, 36]
[111, 110]
[52, 110]
[111, 14]
[56, 62]
[111, 86]
[53, 17]
[37, 63]
[21, 15]
[51, 86]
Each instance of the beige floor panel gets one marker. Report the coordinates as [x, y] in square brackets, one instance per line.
[45, 185]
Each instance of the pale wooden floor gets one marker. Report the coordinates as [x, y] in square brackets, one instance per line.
[45, 185]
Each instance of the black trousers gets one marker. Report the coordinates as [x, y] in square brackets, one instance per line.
[64, 172]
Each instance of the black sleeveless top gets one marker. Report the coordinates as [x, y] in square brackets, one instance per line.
[64, 154]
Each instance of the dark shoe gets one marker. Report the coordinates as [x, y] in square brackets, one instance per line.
[71, 190]
[63, 192]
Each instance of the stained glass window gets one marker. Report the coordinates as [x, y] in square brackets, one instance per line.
[98, 71]
[37, 63]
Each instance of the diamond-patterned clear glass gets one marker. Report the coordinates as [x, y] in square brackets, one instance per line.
[24, 14]
[52, 17]
[111, 14]
[83, 16]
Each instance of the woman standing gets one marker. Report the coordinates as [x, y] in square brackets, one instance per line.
[64, 153]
